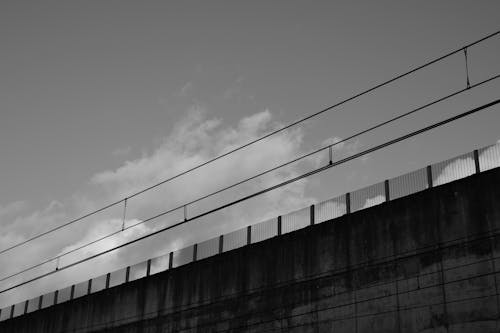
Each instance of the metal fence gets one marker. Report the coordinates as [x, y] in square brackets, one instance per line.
[434, 175]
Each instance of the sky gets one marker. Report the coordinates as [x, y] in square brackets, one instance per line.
[99, 99]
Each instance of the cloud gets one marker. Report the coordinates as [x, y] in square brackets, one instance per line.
[195, 139]
[121, 151]
[186, 89]
[10, 209]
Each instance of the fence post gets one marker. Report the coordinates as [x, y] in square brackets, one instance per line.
[40, 301]
[221, 243]
[12, 311]
[89, 287]
[72, 295]
[56, 293]
[171, 260]
[26, 307]
[311, 214]
[429, 176]
[108, 276]
[127, 274]
[476, 160]
[348, 203]
[279, 225]
[387, 194]
[148, 269]
[195, 250]
[249, 234]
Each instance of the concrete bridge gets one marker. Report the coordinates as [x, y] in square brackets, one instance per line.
[426, 262]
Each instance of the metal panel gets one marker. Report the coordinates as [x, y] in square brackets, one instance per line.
[407, 184]
[159, 264]
[329, 209]
[208, 248]
[81, 289]
[235, 239]
[264, 230]
[19, 308]
[138, 271]
[33, 304]
[64, 295]
[489, 157]
[117, 277]
[98, 283]
[368, 197]
[295, 220]
[5, 313]
[183, 256]
[453, 169]
[48, 300]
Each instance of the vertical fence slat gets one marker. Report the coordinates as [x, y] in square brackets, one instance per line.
[221, 243]
[249, 234]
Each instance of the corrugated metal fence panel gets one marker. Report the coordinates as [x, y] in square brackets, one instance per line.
[81, 289]
[98, 284]
[489, 157]
[407, 184]
[5, 314]
[48, 300]
[264, 230]
[183, 256]
[235, 239]
[159, 264]
[33, 304]
[453, 169]
[138, 271]
[208, 248]
[64, 295]
[442, 173]
[368, 197]
[329, 209]
[295, 220]
[19, 309]
[117, 277]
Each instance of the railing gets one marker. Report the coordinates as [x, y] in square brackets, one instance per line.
[434, 175]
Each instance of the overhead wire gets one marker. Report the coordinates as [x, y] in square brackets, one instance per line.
[281, 129]
[307, 174]
[355, 135]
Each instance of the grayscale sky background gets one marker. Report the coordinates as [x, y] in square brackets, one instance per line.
[99, 99]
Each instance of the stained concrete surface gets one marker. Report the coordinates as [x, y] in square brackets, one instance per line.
[424, 263]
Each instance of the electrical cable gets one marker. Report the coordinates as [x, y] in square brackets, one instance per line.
[253, 177]
[318, 170]
[367, 91]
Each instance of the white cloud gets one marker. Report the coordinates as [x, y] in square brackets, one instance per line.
[121, 151]
[186, 89]
[194, 140]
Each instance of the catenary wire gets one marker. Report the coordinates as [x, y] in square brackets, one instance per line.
[255, 176]
[344, 101]
[310, 173]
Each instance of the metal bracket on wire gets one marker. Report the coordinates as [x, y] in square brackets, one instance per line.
[467, 67]
[124, 213]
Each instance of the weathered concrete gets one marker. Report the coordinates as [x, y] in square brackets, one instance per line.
[423, 263]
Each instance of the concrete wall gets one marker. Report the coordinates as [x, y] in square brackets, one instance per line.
[423, 263]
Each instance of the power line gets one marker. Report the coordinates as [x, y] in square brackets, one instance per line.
[258, 175]
[365, 92]
[310, 173]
